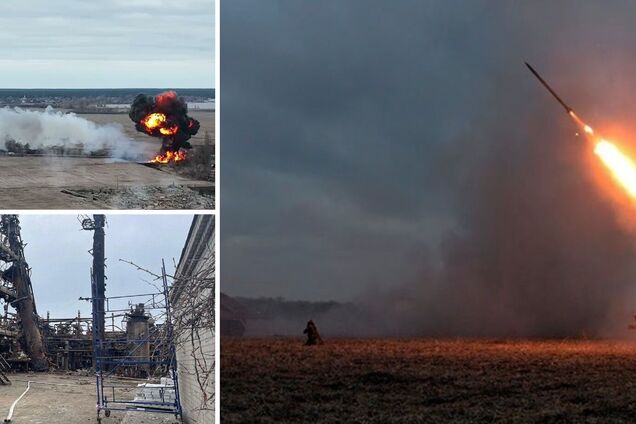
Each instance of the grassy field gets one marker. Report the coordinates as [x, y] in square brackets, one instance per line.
[426, 380]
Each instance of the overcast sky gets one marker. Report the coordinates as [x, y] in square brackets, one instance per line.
[57, 251]
[355, 135]
[107, 44]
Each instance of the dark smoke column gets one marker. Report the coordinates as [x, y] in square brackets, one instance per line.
[165, 116]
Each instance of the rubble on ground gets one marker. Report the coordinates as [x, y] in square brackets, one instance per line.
[151, 197]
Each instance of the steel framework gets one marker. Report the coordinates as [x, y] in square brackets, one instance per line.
[16, 289]
[148, 340]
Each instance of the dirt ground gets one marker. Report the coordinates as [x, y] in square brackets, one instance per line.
[65, 399]
[403, 381]
[32, 182]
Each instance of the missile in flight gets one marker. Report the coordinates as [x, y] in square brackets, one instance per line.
[567, 108]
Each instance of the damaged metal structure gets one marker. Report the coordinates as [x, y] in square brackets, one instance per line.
[28, 341]
[21, 342]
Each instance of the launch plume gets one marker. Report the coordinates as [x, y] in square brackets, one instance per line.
[541, 249]
[50, 129]
[537, 247]
[538, 251]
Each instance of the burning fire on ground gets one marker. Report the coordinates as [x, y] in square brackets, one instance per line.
[165, 116]
[169, 156]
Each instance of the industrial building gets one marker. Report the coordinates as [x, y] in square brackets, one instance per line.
[156, 355]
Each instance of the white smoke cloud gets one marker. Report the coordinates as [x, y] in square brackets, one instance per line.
[51, 128]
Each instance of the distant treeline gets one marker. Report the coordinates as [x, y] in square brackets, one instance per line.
[278, 307]
[101, 92]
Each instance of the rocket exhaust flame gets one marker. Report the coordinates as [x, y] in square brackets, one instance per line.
[621, 166]
[165, 116]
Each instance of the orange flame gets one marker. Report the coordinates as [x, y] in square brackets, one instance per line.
[169, 156]
[166, 97]
[622, 167]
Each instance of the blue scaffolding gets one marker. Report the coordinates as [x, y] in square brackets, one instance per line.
[109, 366]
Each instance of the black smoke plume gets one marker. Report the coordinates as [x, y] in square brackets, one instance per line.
[175, 129]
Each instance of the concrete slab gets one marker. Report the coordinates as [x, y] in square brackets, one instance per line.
[63, 399]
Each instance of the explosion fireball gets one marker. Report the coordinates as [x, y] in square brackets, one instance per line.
[165, 116]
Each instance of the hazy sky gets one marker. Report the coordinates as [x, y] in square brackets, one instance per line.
[107, 44]
[57, 251]
[356, 136]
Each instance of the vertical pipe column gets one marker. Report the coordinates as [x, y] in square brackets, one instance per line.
[98, 293]
[98, 275]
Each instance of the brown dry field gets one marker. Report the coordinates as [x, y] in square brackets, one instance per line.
[33, 182]
[276, 380]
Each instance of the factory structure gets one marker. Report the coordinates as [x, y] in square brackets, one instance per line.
[148, 345]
